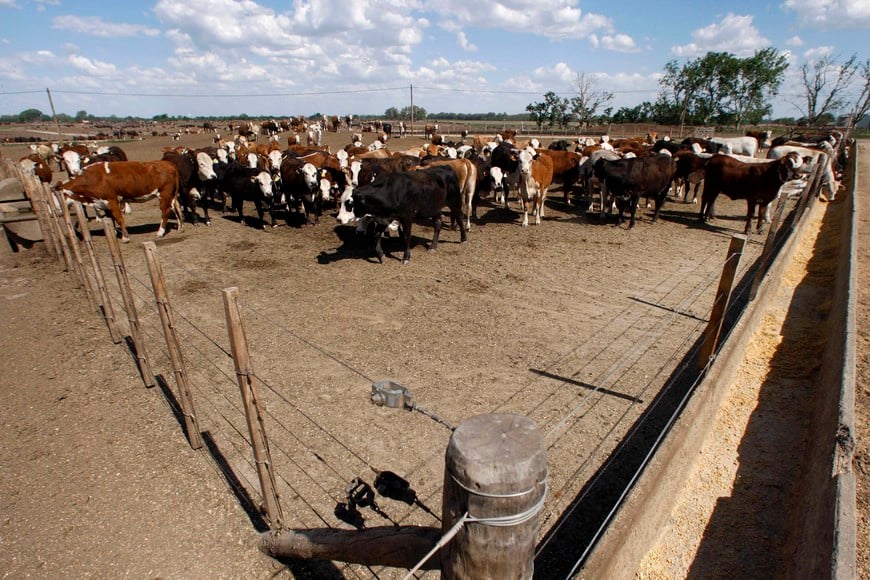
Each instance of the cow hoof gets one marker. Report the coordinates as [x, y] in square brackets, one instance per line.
[125, 240]
[406, 262]
[208, 222]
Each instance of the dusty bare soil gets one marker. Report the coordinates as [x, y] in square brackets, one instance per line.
[575, 323]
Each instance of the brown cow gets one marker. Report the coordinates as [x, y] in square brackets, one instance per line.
[107, 184]
[34, 164]
[536, 175]
[466, 173]
[757, 183]
[565, 169]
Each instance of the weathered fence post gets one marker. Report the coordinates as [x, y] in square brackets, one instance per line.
[812, 189]
[57, 237]
[63, 240]
[495, 472]
[78, 263]
[495, 484]
[253, 406]
[41, 195]
[172, 345]
[32, 188]
[720, 304]
[129, 303]
[103, 294]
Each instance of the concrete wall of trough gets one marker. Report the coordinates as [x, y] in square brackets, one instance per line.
[824, 545]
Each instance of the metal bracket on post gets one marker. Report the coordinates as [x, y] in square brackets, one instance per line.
[391, 394]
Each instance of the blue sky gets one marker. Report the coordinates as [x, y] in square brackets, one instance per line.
[227, 57]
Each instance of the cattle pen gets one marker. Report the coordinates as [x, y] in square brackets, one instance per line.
[591, 331]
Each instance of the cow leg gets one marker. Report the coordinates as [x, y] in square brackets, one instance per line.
[436, 223]
[632, 205]
[406, 233]
[114, 208]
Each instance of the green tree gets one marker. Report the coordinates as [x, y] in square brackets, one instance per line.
[81, 115]
[30, 115]
[391, 113]
[720, 88]
[552, 111]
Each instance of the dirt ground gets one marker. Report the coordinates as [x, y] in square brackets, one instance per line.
[574, 323]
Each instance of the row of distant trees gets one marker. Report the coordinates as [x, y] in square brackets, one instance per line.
[720, 89]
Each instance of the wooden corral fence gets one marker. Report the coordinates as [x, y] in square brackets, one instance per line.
[495, 479]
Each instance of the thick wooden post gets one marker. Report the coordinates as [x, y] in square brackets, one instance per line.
[78, 262]
[812, 189]
[48, 200]
[767, 251]
[720, 304]
[129, 303]
[172, 345]
[56, 200]
[253, 406]
[102, 293]
[496, 479]
[32, 189]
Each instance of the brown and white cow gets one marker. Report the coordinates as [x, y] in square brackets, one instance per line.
[108, 184]
[34, 164]
[536, 175]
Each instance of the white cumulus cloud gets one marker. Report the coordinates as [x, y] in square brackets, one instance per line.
[735, 34]
[825, 14]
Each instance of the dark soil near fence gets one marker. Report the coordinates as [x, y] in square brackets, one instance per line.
[574, 323]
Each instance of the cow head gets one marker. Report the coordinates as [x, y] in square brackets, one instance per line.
[497, 176]
[789, 166]
[309, 176]
[525, 158]
[355, 166]
[275, 160]
[264, 182]
[345, 207]
[73, 163]
[205, 166]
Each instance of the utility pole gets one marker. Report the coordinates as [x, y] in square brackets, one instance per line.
[54, 116]
[412, 109]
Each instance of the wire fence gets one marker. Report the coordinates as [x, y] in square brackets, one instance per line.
[605, 380]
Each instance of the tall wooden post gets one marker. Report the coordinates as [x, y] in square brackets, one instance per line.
[56, 200]
[253, 406]
[78, 262]
[54, 115]
[495, 472]
[102, 293]
[767, 251]
[45, 197]
[172, 345]
[412, 109]
[129, 303]
[32, 190]
[720, 304]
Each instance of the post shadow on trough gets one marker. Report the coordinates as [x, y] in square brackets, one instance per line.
[579, 528]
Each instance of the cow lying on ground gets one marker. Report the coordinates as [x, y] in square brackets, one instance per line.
[406, 197]
[757, 183]
[104, 186]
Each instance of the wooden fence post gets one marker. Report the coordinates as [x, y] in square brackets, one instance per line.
[32, 188]
[253, 406]
[54, 201]
[811, 191]
[102, 295]
[764, 259]
[78, 263]
[43, 198]
[720, 304]
[172, 345]
[129, 303]
[496, 472]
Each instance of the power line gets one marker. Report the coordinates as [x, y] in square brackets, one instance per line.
[228, 95]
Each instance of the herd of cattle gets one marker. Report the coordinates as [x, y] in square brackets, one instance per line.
[378, 189]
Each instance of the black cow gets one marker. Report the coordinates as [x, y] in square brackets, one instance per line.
[560, 145]
[628, 179]
[408, 196]
[505, 157]
[388, 129]
[243, 184]
[300, 184]
[188, 181]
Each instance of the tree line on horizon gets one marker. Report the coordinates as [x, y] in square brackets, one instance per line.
[718, 88]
